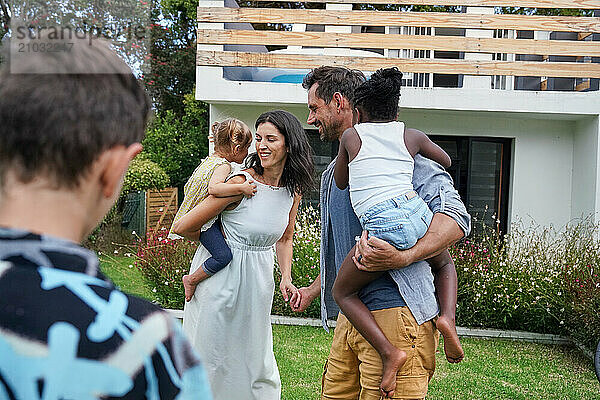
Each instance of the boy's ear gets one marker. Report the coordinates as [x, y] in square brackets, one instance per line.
[116, 162]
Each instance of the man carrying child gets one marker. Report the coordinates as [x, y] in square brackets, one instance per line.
[402, 302]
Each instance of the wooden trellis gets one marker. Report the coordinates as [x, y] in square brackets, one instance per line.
[583, 49]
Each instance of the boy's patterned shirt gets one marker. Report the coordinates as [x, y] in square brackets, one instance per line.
[66, 332]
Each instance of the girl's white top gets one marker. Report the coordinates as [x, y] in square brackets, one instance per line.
[383, 167]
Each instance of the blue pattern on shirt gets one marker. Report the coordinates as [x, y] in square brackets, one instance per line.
[67, 332]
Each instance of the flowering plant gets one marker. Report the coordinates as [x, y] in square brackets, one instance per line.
[163, 262]
[534, 279]
[305, 261]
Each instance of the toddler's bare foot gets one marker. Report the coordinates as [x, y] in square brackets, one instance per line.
[452, 348]
[191, 281]
[188, 287]
[391, 364]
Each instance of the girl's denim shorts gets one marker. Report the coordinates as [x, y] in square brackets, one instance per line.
[400, 221]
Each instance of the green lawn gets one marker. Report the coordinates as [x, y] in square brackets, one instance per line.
[492, 369]
[124, 274]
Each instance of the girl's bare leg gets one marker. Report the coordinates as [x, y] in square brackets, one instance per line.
[445, 286]
[345, 292]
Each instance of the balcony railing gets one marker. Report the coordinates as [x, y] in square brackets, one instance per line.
[486, 47]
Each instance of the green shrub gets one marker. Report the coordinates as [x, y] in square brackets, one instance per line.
[143, 175]
[109, 235]
[534, 279]
[179, 143]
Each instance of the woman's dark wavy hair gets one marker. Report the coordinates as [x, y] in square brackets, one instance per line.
[378, 97]
[298, 172]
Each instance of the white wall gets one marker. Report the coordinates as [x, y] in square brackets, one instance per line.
[542, 158]
[585, 168]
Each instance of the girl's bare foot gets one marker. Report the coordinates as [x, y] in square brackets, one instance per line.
[191, 281]
[391, 364]
[452, 348]
[188, 287]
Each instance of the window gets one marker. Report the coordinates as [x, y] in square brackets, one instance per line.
[481, 170]
[323, 153]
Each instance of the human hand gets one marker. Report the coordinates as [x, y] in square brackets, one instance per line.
[378, 255]
[249, 188]
[301, 299]
[287, 288]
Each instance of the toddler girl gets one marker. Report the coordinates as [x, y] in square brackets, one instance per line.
[376, 156]
[232, 139]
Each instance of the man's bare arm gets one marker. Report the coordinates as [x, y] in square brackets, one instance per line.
[379, 255]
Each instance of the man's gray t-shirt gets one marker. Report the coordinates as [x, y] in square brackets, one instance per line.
[344, 226]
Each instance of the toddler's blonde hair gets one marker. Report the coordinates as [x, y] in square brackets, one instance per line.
[230, 133]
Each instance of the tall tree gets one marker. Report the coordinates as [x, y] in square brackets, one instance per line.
[5, 16]
[171, 68]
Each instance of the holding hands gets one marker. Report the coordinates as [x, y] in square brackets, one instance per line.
[303, 297]
[288, 290]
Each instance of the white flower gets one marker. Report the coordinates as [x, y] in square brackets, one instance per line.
[130, 266]
[562, 322]
[167, 283]
[133, 233]
[116, 252]
[154, 290]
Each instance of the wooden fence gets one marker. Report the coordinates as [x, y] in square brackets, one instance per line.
[582, 52]
[161, 207]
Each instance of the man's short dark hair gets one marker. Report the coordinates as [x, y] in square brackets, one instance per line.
[55, 125]
[333, 79]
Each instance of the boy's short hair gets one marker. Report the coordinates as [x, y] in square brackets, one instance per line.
[55, 125]
[333, 79]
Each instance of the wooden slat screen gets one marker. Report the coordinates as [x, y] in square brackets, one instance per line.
[577, 4]
[161, 207]
[399, 18]
[583, 49]
[417, 42]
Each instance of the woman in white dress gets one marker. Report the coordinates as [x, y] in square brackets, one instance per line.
[228, 319]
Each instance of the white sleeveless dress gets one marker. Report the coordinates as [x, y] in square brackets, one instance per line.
[228, 319]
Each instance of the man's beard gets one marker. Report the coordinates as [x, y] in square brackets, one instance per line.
[329, 133]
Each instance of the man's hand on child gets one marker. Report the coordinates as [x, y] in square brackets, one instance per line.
[249, 188]
[373, 254]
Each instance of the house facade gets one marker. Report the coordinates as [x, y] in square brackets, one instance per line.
[523, 148]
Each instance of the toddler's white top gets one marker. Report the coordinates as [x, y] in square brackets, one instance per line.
[383, 167]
